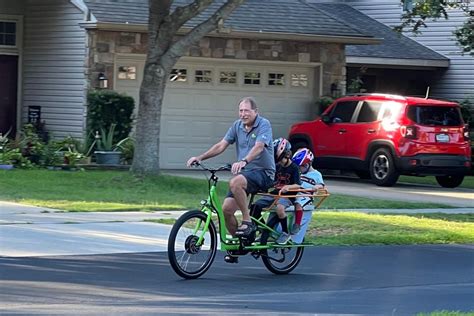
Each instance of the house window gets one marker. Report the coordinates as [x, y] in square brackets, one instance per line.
[299, 80]
[179, 75]
[127, 72]
[276, 79]
[7, 33]
[228, 77]
[251, 78]
[203, 76]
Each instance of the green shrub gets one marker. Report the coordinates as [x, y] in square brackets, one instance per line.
[324, 102]
[31, 143]
[106, 107]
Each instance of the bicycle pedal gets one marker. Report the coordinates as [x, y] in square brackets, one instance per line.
[231, 259]
[255, 254]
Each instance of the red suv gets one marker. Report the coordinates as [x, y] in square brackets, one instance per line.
[382, 136]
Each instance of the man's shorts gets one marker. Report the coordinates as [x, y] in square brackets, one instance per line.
[266, 201]
[257, 181]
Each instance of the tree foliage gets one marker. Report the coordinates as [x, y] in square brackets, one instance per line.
[418, 12]
[166, 44]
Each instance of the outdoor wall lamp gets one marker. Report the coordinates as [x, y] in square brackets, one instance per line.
[103, 81]
[335, 90]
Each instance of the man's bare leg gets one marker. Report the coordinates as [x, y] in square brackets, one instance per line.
[237, 186]
[229, 207]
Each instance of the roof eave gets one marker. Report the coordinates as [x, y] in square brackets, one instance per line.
[228, 32]
[397, 62]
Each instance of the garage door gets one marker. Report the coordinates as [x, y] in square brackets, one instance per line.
[201, 99]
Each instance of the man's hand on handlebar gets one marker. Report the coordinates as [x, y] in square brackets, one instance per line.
[193, 161]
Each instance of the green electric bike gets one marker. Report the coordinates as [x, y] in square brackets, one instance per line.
[195, 237]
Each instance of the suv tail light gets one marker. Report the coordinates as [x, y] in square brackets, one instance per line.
[408, 131]
[465, 132]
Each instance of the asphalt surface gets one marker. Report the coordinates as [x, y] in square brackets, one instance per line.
[375, 280]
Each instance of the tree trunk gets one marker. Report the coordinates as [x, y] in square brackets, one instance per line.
[162, 54]
[146, 156]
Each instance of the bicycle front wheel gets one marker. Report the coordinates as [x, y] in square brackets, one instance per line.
[279, 260]
[188, 257]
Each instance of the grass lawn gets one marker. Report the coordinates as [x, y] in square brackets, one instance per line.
[468, 182]
[121, 191]
[446, 313]
[353, 228]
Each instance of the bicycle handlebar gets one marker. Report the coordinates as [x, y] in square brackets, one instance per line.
[226, 167]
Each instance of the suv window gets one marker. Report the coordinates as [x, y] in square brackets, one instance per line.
[369, 111]
[343, 111]
[435, 115]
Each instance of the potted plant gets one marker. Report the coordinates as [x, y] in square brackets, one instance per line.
[108, 151]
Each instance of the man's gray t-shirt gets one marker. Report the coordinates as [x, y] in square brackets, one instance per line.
[260, 132]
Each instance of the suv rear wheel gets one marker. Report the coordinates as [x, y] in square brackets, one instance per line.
[449, 181]
[382, 168]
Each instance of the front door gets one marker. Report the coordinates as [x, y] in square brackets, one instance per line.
[8, 93]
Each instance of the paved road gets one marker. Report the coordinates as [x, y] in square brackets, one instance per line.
[375, 280]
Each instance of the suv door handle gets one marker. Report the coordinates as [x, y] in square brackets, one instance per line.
[371, 131]
[342, 131]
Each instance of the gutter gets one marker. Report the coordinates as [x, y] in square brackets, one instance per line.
[80, 5]
[227, 32]
[396, 62]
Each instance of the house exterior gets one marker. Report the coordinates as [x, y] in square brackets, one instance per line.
[285, 53]
[44, 65]
[61, 47]
[453, 82]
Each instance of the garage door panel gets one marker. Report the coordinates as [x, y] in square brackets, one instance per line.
[173, 128]
[196, 115]
[176, 156]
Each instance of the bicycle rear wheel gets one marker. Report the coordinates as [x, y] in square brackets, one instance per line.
[279, 260]
[189, 259]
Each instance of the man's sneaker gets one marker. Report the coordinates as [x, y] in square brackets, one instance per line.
[283, 239]
[295, 229]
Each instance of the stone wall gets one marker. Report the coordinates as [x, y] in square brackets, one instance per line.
[103, 45]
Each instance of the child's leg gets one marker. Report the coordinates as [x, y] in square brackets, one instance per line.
[298, 213]
[280, 210]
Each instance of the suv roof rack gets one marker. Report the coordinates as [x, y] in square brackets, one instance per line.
[360, 94]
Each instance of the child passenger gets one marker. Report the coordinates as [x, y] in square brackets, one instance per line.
[287, 178]
[311, 179]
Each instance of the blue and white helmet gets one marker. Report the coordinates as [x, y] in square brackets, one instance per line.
[303, 156]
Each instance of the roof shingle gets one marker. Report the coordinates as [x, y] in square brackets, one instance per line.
[272, 16]
[393, 45]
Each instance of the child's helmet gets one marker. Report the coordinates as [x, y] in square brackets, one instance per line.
[303, 156]
[281, 148]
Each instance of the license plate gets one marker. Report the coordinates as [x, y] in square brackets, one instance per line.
[442, 138]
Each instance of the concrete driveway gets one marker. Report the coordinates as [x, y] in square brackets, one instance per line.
[457, 197]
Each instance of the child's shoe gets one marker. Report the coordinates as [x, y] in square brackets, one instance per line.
[295, 229]
[283, 239]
